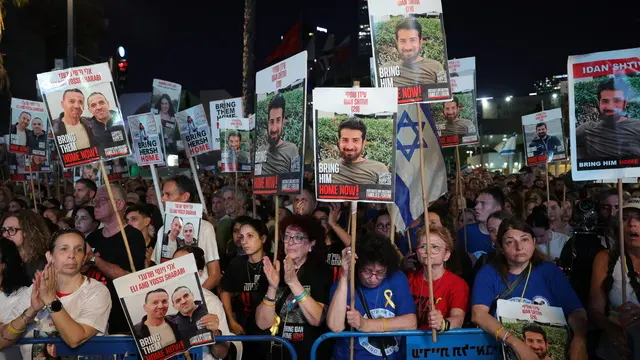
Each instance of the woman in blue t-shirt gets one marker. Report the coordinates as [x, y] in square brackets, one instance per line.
[544, 284]
[383, 300]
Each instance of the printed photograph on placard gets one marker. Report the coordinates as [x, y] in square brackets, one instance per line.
[194, 131]
[604, 114]
[409, 49]
[228, 108]
[165, 102]
[146, 139]
[21, 165]
[542, 132]
[88, 171]
[354, 142]
[181, 226]
[541, 327]
[166, 309]
[462, 67]
[280, 126]
[28, 133]
[85, 114]
[235, 144]
[457, 120]
[117, 169]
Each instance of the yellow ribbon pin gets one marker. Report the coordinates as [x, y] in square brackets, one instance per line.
[387, 295]
[276, 326]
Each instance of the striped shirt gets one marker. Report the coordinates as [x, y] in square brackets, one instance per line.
[602, 140]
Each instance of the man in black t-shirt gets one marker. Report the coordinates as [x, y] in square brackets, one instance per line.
[107, 254]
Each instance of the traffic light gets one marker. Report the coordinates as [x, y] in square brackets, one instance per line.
[123, 68]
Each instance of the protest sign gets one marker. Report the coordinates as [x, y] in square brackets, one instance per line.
[165, 102]
[117, 169]
[462, 67]
[604, 114]
[457, 120]
[543, 137]
[146, 138]
[181, 225]
[88, 171]
[473, 344]
[540, 326]
[20, 166]
[410, 50]
[165, 308]
[194, 131]
[235, 143]
[354, 130]
[229, 108]
[28, 133]
[85, 114]
[280, 126]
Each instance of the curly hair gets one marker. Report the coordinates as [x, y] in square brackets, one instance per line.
[375, 248]
[13, 275]
[311, 227]
[35, 232]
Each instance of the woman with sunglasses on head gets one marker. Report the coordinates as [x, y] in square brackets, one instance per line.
[450, 290]
[519, 273]
[336, 238]
[31, 234]
[299, 284]
[383, 300]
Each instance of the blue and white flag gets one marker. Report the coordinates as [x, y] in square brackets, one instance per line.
[408, 181]
[507, 147]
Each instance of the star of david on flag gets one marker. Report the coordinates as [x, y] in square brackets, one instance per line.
[408, 181]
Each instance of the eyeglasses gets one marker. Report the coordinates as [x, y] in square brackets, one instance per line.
[435, 249]
[383, 226]
[297, 239]
[10, 230]
[369, 274]
[100, 201]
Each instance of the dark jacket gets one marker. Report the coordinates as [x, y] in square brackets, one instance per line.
[551, 144]
[141, 330]
[33, 141]
[59, 128]
[103, 132]
[188, 325]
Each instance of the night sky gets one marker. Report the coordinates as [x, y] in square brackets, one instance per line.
[515, 42]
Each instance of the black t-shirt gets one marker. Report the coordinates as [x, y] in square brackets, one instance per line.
[247, 284]
[113, 250]
[317, 278]
[334, 256]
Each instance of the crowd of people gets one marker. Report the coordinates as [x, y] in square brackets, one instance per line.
[492, 236]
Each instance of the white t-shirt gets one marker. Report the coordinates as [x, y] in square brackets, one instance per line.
[82, 138]
[10, 308]
[21, 137]
[214, 306]
[89, 305]
[206, 242]
[558, 240]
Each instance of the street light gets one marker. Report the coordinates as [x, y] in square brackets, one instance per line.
[121, 51]
[554, 96]
[321, 29]
[508, 98]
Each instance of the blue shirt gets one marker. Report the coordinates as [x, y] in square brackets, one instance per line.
[391, 298]
[403, 243]
[547, 286]
[476, 240]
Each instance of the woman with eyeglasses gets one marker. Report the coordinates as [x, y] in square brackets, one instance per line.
[450, 289]
[299, 284]
[383, 300]
[30, 233]
[335, 239]
[519, 273]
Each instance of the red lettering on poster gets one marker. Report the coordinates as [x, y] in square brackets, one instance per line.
[606, 67]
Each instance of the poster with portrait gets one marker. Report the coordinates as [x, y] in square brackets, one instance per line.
[228, 108]
[462, 66]
[117, 169]
[146, 139]
[194, 131]
[165, 308]
[604, 114]
[235, 142]
[410, 49]
[354, 133]
[165, 102]
[85, 114]
[181, 226]
[20, 166]
[28, 132]
[542, 327]
[280, 127]
[457, 120]
[543, 137]
[88, 171]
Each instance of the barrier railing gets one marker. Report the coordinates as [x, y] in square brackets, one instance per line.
[458, 343]
[125, 346]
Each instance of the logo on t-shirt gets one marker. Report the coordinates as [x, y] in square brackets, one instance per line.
[374, 344]
[537, 300]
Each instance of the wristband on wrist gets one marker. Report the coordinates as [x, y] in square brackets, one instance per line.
[13, 330]
[506, 336]
[269, 299]
[384, 325]
[495, 335]
[444, 325]
[268, 303]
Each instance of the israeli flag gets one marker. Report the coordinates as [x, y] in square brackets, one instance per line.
[408, 198]
[507, 147]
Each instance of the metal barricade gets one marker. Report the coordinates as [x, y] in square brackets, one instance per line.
[457, 343]
[125, 347]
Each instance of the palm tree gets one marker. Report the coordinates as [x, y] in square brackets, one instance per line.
[5, 84]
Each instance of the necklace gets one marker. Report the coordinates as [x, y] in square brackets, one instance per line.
[256, 270]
